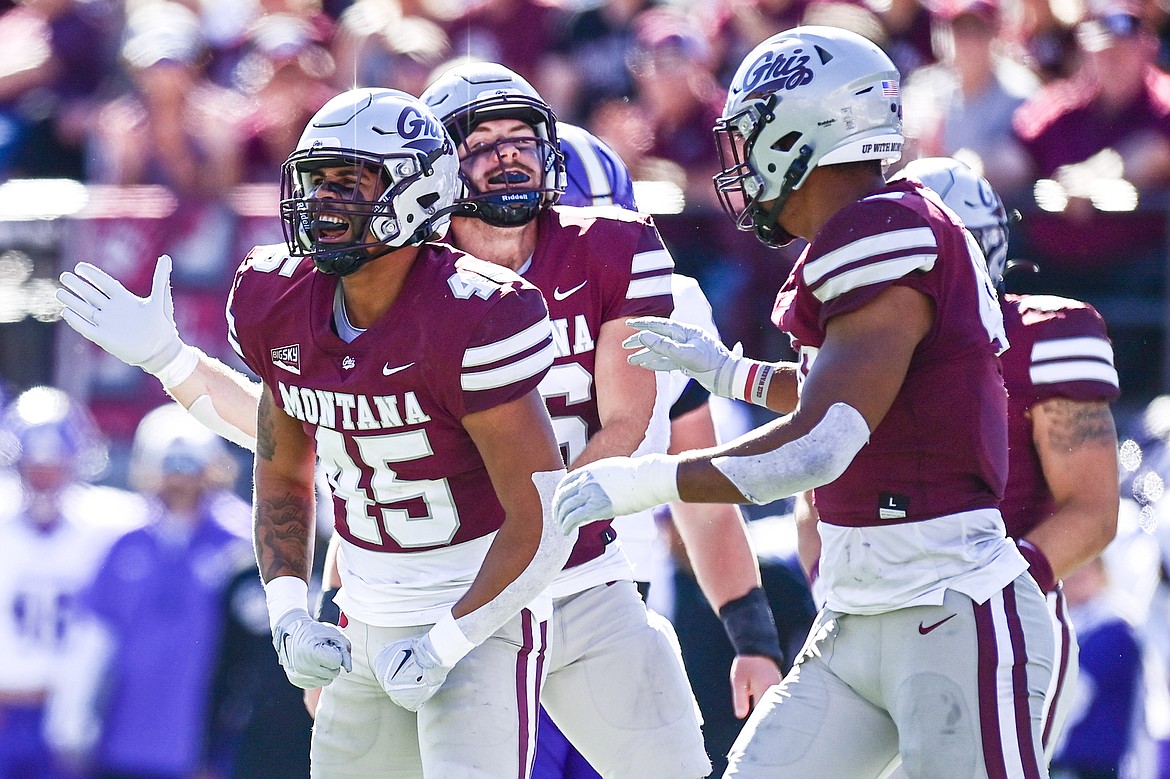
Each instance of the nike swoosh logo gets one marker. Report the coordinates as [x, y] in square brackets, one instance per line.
[388, 371]
[924, 629]
[558, 295]
[406, 655]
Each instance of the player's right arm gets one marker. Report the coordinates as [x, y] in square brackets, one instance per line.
[141, 332]
[669, 345]
[312, 652]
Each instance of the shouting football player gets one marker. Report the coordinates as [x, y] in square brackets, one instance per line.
[410, 370]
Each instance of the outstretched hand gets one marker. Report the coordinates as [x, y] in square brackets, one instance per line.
[667, 345]
[138, 331]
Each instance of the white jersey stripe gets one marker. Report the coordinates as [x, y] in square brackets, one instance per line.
[514, 344]
[1073, 370]
[510, 373]
[913, 239]
[655, 259]
[598, 182]
[1058, 348]
[1005, 688]
[874, 273]
[648, 288]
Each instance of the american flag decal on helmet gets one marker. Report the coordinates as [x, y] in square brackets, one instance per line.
[890, 88]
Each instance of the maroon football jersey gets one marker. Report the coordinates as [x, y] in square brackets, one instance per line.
[942, 447]
[1059, 348]
[593, 265]
[386, 409]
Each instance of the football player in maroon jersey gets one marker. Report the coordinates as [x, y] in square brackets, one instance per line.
[1062, 495]
[410, 371]
[596, 268]
[934, 643]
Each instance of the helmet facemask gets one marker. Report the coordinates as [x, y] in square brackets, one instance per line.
[517, 170]
[342, 233]
[739, 187]
[465, 97]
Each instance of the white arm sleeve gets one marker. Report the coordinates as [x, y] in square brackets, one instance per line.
[550, 557]
[203, 409]
[814, 459]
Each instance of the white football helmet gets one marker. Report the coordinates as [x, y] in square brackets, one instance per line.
[169, 441]
[391, 133]
[43, 427]
[805, 97]
[973, 199]
[474, 92]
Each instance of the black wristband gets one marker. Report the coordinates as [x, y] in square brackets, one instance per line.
[327, 610]
[751, 627]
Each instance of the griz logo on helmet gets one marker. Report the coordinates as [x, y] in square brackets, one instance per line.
[771, 73]
[416, 127]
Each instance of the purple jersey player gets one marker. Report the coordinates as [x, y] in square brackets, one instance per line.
[934, 645]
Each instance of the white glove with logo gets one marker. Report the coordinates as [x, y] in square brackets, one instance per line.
[313, 653]
[667, 345]
[413, 670]
[138, 331]
[614, 486]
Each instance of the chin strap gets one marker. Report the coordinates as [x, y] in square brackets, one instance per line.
[766, 223]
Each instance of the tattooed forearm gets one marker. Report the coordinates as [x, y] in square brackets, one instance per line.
[282, 536]
[265, 441]
[1071, 424]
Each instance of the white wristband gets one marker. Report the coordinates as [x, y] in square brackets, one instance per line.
[751, 381]
[448, 641]
[283, 594]
[180, 368]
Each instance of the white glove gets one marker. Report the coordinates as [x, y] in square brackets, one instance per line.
[667, 345]
[410, 671]
[615, 486]
[138, 331]
[312, 653]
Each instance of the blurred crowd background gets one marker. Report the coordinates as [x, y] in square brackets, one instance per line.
[130, 128]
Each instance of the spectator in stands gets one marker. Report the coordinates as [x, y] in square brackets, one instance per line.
[515, 33]
[962, 106]
[131, 696]
[285, 75]
[678, 102]
[588, 68]
[54, 56]
[377, 48]
[51, 541]
[1118, 101]
[175, 128]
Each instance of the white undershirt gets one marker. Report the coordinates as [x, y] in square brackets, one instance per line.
[345, 330]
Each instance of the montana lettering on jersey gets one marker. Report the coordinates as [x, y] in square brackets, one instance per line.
[463, 336]
[572, 336]
[344, 411]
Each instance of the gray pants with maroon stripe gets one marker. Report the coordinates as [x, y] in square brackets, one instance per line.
[957, 690]
[481, 724]
[617, 688]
